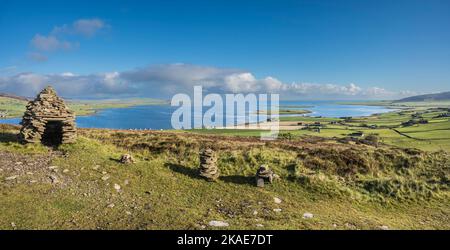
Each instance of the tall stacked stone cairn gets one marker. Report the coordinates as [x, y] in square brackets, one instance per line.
[208, 164]
[47, 107]
[264, 174]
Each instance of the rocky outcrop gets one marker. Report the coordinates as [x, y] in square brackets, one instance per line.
[48, 120]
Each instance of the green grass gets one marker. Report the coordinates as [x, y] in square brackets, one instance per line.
[293, 111]
[351, 187]
[228, 132]
[11, 107]
[345, 186]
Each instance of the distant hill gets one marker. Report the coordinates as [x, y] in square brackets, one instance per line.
[443, 96]
[20, 98]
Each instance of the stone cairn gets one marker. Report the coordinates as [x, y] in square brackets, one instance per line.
[47, 108]
[208, 166]
[264, 174]
[126, 159]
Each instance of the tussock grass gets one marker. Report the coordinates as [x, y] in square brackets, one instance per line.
[350, 186]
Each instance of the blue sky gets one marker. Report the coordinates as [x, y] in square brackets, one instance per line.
[301, 49]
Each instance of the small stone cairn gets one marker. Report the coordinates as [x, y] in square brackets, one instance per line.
[46, 108]
[264, 174]
[208, 166]
[126, 159]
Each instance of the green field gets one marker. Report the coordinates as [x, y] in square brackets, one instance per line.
[10, 107]
[435, 135]
[393, 104]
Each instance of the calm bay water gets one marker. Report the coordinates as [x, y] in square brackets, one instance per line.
[159, 117]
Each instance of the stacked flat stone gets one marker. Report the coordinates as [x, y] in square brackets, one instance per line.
[208, 165]
[264, 174]
[45, 108]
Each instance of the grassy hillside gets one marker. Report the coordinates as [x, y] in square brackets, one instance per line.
[10, 107]
[443, 96]
[345, 186]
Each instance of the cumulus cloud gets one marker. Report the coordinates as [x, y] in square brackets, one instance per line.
[88, 27]
[84, 27]
[165, 80]
[50, 43]
[67, 84]
[63, 38]
[323, 89]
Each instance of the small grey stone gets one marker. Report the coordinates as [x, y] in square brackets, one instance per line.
[308, 215]
[260, 182]
[10, 178]
[218, 223]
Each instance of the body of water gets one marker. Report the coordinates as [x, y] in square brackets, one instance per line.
[159, 117]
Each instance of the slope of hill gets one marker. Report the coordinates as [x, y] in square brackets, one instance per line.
[15, 97]
[443, 96]
[345, 186]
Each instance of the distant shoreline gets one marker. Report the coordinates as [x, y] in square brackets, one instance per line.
[14, 108]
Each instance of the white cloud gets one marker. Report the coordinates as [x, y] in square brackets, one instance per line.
[67, 84]
[63, 38]
[68, 74]
[246, 82]
[166, 80]
[84, 27]
[323, 89]
[241, 82]
[88, 27]
[50, 43]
